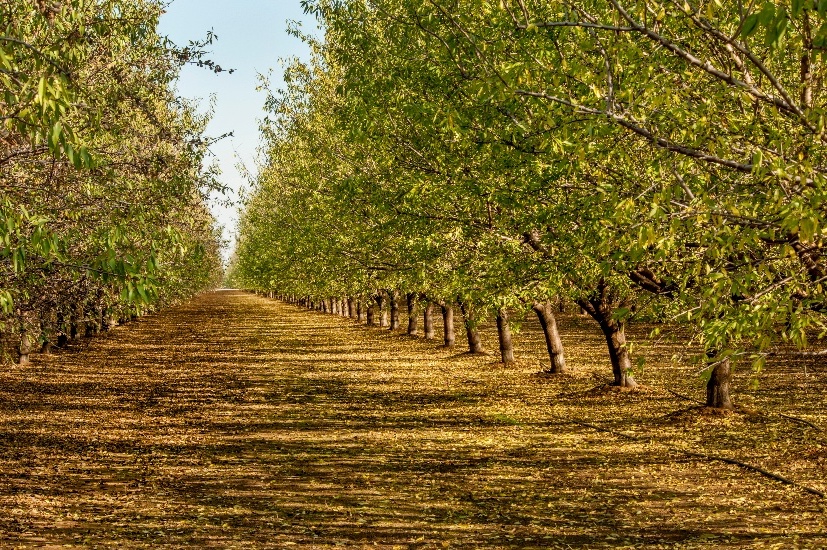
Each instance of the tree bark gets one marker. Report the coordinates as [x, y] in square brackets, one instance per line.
[504, 333]
[554, 345]
[371, 314]
[351, 307]
[428, 321]
[474, 341]
[449, 335]
[383, 312]
[360, 312]
[28, 336]
[717, 388]
[615, 333]
[394, 307]
[412, 313]
[601, 309]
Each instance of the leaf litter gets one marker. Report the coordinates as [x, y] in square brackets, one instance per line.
[239, 422]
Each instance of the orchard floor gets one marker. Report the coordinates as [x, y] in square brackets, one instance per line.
[234, 421]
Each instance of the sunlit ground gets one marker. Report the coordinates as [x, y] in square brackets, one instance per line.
[240, 422]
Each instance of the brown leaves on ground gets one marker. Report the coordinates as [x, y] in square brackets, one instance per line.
[239, 422]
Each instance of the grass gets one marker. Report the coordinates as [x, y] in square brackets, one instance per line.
[239, 422]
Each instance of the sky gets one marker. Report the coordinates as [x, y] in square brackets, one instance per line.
[252, 40]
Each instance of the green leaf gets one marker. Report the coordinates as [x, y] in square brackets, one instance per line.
[749, 25]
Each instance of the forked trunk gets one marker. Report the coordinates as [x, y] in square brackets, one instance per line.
[394, 307]
[717, 388]
[554, 345]
[428, 321]
[601, 307]
[504, 332]
[474, 340]
[412, 314]
[448, 325]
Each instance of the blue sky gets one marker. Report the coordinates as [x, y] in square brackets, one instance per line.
[252, 39]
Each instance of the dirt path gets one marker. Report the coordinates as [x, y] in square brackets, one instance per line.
[239, 422]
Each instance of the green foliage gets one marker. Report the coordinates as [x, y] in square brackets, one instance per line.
[103, 202]
[669, 154]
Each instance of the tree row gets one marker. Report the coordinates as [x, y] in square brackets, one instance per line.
[103, 201]
[646, 159]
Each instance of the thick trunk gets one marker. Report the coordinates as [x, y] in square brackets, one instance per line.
[351, 308]
[448, 325]
[412, 314]
[474, 341]
[28, 335]
[504, 332]
[334, 306]
[717, 389]
[615, 333]
[557, 361]
[428, 321]
[394, 307]
[360, 312]
[601, 307]
[371, 314]
[383, 312]
[25, 349]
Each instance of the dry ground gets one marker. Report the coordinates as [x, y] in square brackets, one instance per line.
[239, 422]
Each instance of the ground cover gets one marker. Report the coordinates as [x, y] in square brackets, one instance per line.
[234, 421]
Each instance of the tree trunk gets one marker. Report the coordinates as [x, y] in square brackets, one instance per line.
[717, 389]
[412, 313]
[504, 333]
[394, 307]
[428, 321]
[601, 307]
[28, 335]
[351, 308]
[371, 314]
[557, 361]
[448, 325]
[360, 313]
[383, 312]
[474, 341]
[615, 333]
